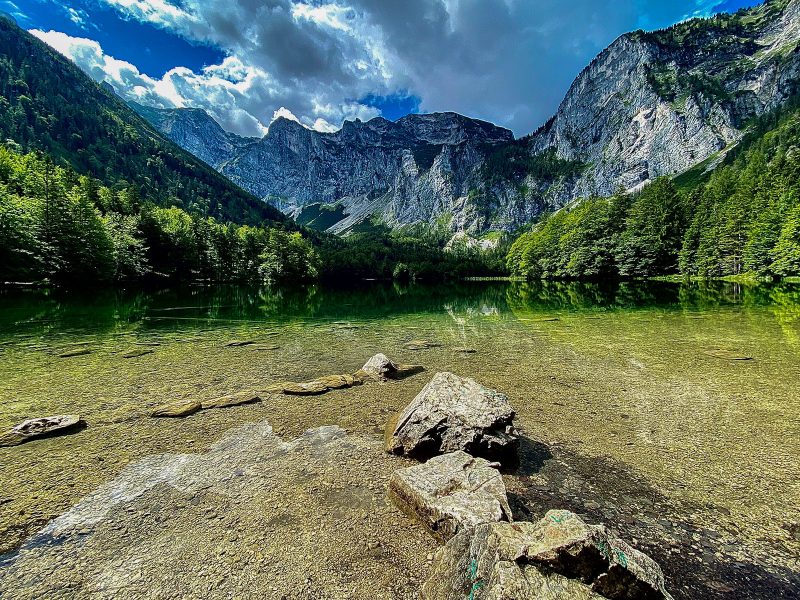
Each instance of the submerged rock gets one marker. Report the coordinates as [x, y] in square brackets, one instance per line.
[381, 368]
[137, 353]
[78, 352]
[179, 408]
[451, 493]
[265, 347]
[420, 345]
[231, 400]
[560, 557]
[338, 382]
[240, 343]
[725, 354]
[309, 388]
[40, 427]
[455, 413]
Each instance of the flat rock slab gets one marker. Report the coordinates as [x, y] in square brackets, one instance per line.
[456, 413]
[255, 516]
[137, 353]
[71, 353]
[231, 400]
[40, 427]
[377, 368]
[291, 388]
[179, 408]
[559, 557]
[450, 493]
[420, 345]
[726, 354]
[240, 343]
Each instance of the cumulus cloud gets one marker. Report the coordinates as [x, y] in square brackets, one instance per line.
[237, 95]
[506, 61]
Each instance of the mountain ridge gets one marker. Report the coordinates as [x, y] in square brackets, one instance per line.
[651, 104]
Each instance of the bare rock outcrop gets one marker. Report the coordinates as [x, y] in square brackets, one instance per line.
[451, 493]
[560, 557]
[455, 413]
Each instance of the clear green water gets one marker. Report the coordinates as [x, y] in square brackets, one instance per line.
[635, 412]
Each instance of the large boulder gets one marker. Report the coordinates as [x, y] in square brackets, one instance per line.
[451, 493]
[560, 557]
[40, 427]
[455, 413]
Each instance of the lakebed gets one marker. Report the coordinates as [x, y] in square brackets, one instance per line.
[668, 411]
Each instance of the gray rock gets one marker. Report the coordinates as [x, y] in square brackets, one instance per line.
[560, 557]
[381, 368]
[456, 413]
[40, 427]
[451, 493]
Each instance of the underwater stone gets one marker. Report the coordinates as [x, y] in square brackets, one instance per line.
[179, 408]
[40, 427]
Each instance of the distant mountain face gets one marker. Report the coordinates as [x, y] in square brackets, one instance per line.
[195, 131]
[651, 104]
[48, 104]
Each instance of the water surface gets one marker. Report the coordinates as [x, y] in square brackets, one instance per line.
[668, 411]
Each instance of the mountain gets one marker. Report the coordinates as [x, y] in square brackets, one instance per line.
[651, 104]
[655, 104]
[195, 131]
[48, 104]
[412, 170]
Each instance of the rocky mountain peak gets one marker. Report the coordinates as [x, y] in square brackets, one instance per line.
[651, 104]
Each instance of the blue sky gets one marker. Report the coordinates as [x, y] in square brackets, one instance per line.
[324, 61]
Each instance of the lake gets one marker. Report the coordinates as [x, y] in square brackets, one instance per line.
[668, 411]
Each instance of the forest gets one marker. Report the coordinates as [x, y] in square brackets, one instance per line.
[741, 220]
[61, 227]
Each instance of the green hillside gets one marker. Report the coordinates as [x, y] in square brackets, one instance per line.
[48, 104]
[742, 218]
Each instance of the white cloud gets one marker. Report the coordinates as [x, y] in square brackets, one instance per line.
[237, 95]
[507, 61]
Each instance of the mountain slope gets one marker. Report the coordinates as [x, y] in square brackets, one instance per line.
[658, 103]
[415, 170]
[195, 131]
[742, 218]
[652, 104]
[48, 104]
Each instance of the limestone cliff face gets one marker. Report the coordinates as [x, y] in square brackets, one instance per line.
[651, 104]
[655, 104]
[410, 171]
[195, 131]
